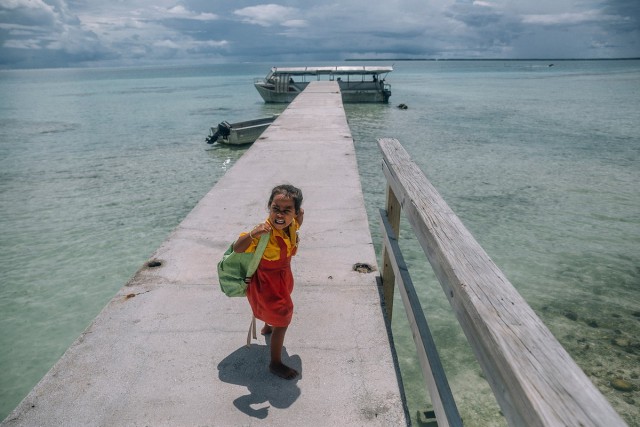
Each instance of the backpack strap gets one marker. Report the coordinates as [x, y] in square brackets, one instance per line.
[253, 265]
[262, 244]
[293, 235]
[252, 331]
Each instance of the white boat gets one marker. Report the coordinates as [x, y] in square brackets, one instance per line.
[239, 133]
[357, 83]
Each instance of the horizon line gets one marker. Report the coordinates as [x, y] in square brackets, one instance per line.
[494, 59]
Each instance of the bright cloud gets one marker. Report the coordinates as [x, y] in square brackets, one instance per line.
[566, 18]
[483, 3]
[267, 15]
[181, 12]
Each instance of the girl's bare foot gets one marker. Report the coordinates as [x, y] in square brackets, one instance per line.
[266, 329]
[282, 370]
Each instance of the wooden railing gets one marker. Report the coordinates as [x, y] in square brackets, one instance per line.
[534, 380]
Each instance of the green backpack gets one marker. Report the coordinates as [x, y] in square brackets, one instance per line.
[235, 269]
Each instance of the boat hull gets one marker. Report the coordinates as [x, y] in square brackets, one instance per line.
[270, 95]
[240, 133]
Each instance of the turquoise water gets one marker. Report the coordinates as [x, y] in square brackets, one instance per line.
[541, 164]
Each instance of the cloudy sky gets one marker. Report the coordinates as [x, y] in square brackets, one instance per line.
[59, 33]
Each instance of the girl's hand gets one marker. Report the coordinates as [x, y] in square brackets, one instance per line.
[260, 229]
[244, 241]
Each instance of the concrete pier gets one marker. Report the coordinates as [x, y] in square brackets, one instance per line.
[169, 349]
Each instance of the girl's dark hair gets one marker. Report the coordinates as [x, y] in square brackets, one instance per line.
[290, 192]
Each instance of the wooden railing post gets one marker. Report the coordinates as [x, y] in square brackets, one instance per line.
[388, 277]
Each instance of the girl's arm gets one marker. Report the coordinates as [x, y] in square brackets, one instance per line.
[244, 241]
[300, 216]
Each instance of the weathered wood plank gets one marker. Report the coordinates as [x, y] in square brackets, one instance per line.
[388, 274]
[534, 379]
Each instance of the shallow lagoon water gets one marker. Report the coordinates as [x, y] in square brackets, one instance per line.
[540, 163]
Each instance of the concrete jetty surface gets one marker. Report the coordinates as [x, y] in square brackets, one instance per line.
[169, 349]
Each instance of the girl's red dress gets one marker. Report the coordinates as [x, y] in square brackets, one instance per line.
[269, 291]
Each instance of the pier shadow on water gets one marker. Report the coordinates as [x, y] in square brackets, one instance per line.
[249, 367]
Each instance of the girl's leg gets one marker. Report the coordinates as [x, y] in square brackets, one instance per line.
[266, 329]
[276, 366]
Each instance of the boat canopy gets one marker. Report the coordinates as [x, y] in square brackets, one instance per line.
[338, 70]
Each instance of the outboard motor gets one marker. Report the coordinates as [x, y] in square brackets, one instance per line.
[224, 129]
[213, 136]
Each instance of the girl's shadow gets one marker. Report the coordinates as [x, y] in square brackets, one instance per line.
[249, 367]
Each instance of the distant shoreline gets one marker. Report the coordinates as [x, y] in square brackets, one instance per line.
[489, 59]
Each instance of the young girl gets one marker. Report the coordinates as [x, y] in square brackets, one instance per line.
[269, 291]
